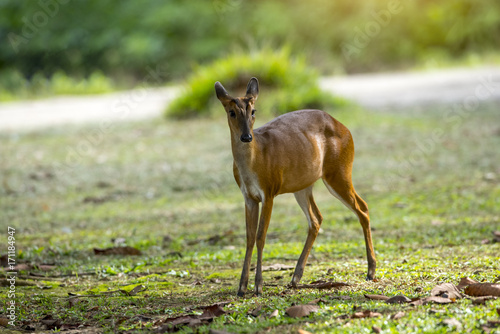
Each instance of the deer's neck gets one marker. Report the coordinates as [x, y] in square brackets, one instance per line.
[245, 154]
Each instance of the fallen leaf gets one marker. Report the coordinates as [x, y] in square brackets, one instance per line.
[209, 313]
[317, 301]
[274, 314]
[490, 324]
[398, 315]
[320, 285]
[4, 260]
[376, 329]
[398, 300]
[4, 322]
[452, 322]
[276, 267]
[431, 299]
[301, 331]
[365, 314]
[464, 282]
[376, 297]
[125, 250]
[136, 290]
[446, 290]
[46, 267]
[212, 311]
[256, 311]
[482, 300]
[50, 322]
[496, 236]
[299, 311]
[483, 289]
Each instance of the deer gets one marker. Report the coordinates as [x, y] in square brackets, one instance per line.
[288, 155]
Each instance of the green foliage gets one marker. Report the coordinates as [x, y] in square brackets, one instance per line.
[286, 84]
[122, 38]
[15, 86]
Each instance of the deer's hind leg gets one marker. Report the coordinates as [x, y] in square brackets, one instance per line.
[340, 186]
[314, 218]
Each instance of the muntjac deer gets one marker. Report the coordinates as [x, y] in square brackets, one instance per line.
[288, 155]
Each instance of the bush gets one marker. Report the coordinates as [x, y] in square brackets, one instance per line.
[286, 82]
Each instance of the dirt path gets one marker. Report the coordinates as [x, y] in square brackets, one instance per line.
[370, 90]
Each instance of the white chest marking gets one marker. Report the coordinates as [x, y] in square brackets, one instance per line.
[250, 184]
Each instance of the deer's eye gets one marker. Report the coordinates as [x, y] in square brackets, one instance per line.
[232, 113]
[253, 112]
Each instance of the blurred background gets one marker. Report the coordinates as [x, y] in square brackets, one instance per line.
[78, 47]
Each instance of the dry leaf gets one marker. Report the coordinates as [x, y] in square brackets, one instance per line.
[491, 324]
[125, 250]
[209, 313]
[50, 322]
[365, 314]
[483, 289]
[276, 267]
[446, 290]
[464, 282]
[136, 290]
[496, 236]
[274, 314]
[4, 260]
[398, 300]
[431, 299]
[398, 315]
[256, 312]
[376, 297]
[376, 329]
[4, 322]
[212, 311]
[320, 285]
[299, 311]
[482, 300]
[301, 331]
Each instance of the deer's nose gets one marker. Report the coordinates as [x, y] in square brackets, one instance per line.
[246, 138]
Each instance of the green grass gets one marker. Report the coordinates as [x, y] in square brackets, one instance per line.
[286, 81]
[167, 189]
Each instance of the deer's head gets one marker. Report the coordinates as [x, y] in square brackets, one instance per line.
[240, 110]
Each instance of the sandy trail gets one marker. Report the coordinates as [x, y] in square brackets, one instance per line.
[372, 91]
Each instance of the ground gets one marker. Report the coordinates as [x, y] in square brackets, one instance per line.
[429, 175]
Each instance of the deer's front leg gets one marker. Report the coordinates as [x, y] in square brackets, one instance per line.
[265, 218]
[252, 217]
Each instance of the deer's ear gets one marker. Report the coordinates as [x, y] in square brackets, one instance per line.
[253, 88]
[221, 92]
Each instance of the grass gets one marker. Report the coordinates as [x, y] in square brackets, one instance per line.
[167, 189]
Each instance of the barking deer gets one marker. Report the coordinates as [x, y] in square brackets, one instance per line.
[288, 155]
